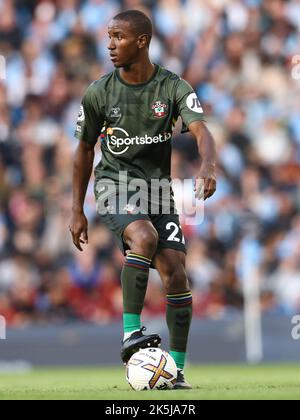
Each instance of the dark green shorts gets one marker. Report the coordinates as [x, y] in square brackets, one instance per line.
[167, 225]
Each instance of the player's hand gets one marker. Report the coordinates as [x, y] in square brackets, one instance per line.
[205, 183]
[79, 229]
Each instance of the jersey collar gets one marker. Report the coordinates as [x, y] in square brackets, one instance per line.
[137, 85]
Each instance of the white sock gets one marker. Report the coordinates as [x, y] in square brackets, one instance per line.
[127, 335]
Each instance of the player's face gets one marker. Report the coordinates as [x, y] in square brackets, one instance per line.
[123, 45]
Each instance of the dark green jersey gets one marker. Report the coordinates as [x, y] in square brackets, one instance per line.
[135, 122]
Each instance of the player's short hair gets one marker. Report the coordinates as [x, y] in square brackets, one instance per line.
[139, 22]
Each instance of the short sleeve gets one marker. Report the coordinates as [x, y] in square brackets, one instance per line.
[90, 121]
[188, 105]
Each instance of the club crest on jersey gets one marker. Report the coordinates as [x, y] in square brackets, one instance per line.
[159, 109]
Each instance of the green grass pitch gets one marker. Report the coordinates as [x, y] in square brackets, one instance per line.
[209, 382]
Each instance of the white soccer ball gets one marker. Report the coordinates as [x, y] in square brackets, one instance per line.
[151, 368]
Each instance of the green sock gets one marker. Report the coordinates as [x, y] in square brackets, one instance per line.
[134, 280]
[179, 357]
[131, 322]
[179, 317]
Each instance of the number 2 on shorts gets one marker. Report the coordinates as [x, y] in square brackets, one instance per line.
[173, 236]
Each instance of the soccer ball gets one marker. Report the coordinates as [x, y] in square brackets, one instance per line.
[151, 368]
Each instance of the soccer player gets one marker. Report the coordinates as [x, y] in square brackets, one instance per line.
[132, 110]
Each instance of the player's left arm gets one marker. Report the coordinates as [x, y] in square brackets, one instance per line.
[206, 179]
[191, 112]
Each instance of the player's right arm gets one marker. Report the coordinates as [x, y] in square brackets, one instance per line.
[82, 169]
[88, 128]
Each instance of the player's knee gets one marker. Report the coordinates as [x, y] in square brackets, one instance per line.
[145, 242]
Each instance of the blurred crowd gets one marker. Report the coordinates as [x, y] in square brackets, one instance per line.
[238, 56]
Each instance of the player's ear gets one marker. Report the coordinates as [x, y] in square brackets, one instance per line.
[142, 41]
